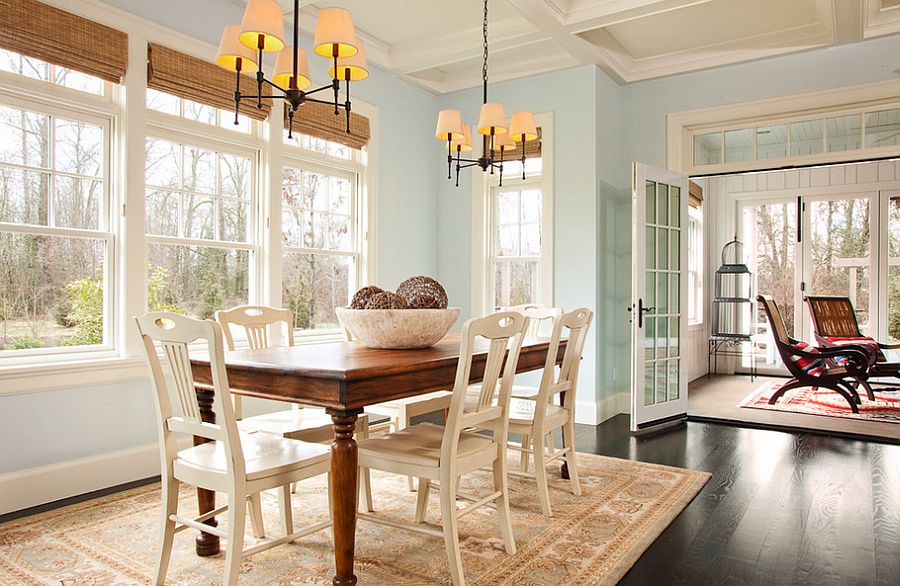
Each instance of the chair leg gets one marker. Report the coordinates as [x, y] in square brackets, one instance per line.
[287, 514]
[451, 530]
[569, 432]
[169, 507]
[256, 517]
[792, 384]
[403, 421]
[424, 490]
[501, 485]
[870, 394]
[540, 475]
[237, 518]
[526, 442]
[843, 392]
[365, 477]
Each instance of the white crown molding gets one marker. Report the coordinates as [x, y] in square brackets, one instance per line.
[880, 21]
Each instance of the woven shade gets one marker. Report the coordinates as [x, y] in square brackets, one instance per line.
[696, 195]
[36, 30]
[201, 81]
[319, 120]
[532, 149]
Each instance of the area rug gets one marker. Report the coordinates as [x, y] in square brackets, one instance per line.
[885, 407]
[591, 539]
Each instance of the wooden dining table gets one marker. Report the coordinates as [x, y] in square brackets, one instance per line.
[343, 377]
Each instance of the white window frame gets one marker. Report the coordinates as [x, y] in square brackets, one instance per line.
[132, 123]
[57, 101]
[861, 99]
[696, 255]
[484, 229]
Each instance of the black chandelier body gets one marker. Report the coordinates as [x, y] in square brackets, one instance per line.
[294, 96]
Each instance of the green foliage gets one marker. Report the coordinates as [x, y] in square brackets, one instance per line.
[156, 292]
[85, 297]
[26, 344]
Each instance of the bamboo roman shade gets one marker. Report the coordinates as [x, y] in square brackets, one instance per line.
[319, 120]
[532, 149]
[201, 81]
[696, 195]
[37, 30]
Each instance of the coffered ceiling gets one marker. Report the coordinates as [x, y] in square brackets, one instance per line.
[437, 44]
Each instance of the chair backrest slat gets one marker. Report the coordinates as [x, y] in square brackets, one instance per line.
[775, 318]
[256, 319]
[504, 333]
[175, 333]
[574, 325]
[540, 318]
[833, 317]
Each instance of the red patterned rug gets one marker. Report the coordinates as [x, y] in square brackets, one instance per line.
[885, 407]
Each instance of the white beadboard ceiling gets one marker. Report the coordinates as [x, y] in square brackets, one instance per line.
[437, 44]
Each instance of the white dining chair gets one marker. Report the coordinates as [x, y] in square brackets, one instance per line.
[439, 455]
[536, 419]
[309, 424]
[231, 462]
[400, 412]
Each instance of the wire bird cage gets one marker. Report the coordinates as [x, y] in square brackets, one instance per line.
[733, 300]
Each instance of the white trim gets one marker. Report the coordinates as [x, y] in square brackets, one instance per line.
[50, 376]
[680, 125]
[45, 484]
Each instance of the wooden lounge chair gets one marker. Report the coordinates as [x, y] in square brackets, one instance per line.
[835, 325]
[815, 367]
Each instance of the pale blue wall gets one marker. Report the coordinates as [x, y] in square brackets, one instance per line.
[571, 96]
[48, 427]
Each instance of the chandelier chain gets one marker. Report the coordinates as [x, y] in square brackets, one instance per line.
[484, 69]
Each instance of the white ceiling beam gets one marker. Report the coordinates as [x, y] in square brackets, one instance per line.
[591, 14]
[546, 18]
[848, 17]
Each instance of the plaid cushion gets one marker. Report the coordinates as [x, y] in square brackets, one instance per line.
[865, 341]
[812, 366]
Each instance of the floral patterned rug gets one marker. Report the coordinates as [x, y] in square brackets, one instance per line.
[591, 539]
[885, 407]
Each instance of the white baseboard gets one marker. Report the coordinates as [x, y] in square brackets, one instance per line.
[44, 484]
[586, 413]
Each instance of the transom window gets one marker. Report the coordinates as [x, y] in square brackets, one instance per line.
[321, 244]
[55, 239]
[319, 145]
[190, 110]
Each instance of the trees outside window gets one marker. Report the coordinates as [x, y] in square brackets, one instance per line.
[517, 252]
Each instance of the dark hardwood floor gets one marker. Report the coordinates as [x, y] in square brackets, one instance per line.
[781, 508]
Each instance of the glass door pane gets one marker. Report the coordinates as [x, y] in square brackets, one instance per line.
[838, 252]
[769, 232]
[893, 268]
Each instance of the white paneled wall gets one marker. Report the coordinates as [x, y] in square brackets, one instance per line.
[720, 196]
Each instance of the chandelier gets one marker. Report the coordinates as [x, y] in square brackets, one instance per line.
[499, 136]
[262, 31]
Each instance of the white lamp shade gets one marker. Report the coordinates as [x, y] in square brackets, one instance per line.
[492, 116]
[231, 49]
[522, 126]
[263, 18]
[284, 69]
[449, 125]
[335, 32]
[355, 65]
[504, 141]
[465, 143]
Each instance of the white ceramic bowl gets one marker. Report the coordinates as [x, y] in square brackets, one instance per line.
[397, 329]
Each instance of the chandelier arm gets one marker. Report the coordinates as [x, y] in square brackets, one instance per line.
[320, 89]
[501, 165]
[327, 102]
[335, 84]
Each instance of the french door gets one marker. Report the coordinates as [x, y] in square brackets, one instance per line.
[659, 296]
[811, 245]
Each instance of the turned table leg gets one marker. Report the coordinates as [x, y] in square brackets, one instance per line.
[344, 494]
[564, 467]
[207, 544]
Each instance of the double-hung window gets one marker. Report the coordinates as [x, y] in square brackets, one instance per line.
[201, 210]
[695, 265]
[321, 241]
[56, 239]
[518, 265]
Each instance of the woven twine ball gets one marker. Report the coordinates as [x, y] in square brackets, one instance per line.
[386, 300]
[361, 298]
[423, 293]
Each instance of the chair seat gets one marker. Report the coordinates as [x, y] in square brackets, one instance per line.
[521, 412]
[287, 421]
[420, 445]
[264, 455]
[417, 405]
